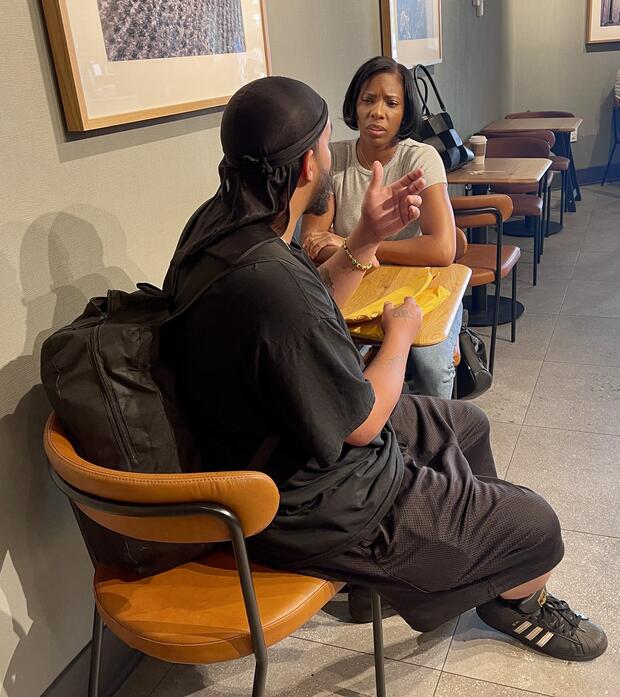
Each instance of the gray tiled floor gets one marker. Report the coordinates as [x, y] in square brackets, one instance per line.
[555, 427]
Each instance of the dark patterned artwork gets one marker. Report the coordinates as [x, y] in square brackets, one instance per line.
[610, 13]
[414, 19]
[143, 29]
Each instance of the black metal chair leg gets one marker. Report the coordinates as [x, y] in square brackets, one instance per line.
[95, 656]
[573, 169]
[548, 221]
[377, 635]
[611, 157]
[574, 190]
[542, 222]
[563, 196]
[251, 608]
[498, 299]
[260, 677]
[535, 261]
[513, 317]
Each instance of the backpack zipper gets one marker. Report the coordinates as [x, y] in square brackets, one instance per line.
[114, 413]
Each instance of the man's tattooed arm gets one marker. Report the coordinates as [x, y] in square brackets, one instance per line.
[403, 311]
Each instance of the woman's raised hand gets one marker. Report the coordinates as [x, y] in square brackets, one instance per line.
[388, 209]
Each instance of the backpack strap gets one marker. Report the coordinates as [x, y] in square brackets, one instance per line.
[209, 269]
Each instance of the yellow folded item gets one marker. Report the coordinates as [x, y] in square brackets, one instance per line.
[370, 328]
[374, 309]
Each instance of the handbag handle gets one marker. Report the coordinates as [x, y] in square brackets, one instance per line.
[424, 98]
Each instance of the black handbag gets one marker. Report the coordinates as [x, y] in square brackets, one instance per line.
[472, 374]
[438, 129]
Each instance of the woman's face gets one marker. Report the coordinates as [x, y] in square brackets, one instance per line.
[380, 108]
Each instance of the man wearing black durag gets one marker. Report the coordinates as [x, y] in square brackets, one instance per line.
[396, 493]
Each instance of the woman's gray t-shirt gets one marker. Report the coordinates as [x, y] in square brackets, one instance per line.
[350, 179]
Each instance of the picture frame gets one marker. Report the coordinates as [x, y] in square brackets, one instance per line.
[116, 67]
[603, 23]
[411, 31]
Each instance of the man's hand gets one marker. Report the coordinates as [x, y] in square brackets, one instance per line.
[387, 209]
[403, 321]
[316, 240]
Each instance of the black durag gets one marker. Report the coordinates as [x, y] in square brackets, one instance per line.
[266, 128]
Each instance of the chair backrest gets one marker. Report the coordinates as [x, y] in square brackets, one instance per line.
[518, 146]
[110, 497]
[540, 115]
[471, 211]
[548, 136]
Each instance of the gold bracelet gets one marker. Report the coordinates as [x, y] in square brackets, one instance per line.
[353, 260]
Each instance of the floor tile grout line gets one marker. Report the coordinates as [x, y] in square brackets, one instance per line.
[568, 430]
[587, 365]
[499, 684]
[160, 681]
[566, 314]
[364, 653]
[443, 665]
[591, 534]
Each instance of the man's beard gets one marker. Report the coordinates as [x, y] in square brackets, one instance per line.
[319, 202]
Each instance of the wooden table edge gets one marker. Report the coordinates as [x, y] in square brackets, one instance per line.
[459, 179]
[575, 127]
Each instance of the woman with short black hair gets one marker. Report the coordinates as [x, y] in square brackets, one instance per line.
[381, 105]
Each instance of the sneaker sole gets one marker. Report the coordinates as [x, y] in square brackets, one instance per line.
[537, 649]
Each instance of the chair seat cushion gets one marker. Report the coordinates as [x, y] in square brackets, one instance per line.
[481, 259]
[559, 163]
[194, 613]
[526, 205]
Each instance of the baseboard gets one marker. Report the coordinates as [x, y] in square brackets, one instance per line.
[594, 175]
[118, 661]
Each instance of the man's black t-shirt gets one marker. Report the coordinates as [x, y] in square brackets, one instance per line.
[265, 351]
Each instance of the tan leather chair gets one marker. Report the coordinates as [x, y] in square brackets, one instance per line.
[489, 263]
[217, 608]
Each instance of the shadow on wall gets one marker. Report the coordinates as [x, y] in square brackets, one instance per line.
[45, 582]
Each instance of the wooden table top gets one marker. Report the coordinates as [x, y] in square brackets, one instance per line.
[502, 170]
[386, 279]
[561, 125]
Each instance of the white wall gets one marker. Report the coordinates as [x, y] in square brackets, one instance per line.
[80, 215]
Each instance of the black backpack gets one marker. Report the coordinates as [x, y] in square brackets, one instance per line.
[109, 381]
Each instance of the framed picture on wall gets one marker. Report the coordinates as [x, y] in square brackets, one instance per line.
[603, 21]
[121, 61]
[411, 31]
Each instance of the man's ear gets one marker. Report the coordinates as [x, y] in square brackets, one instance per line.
[308, 165]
